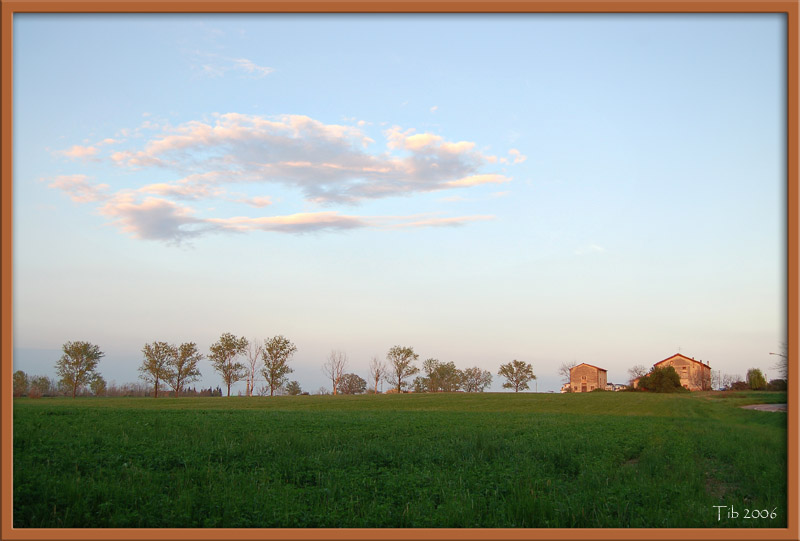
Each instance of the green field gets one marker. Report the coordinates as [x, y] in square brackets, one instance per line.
[429, 460]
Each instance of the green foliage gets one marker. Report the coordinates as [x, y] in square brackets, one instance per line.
[518, 374]
[662, 379]
[293, 388]
[439, 377]
[461, 460]
[756, 380]
[156, 365]
[78, 364]
[401, 366]
[276, 354]
[223, 355]
[776, 385]
[20, 383]
[98, 386]
[183, 367]
[352, 384]
[475, 380]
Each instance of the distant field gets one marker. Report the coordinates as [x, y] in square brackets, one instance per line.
[443, 460]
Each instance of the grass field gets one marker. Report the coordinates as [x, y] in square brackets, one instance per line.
[443, 460]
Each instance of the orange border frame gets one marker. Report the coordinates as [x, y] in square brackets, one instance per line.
[789, 7]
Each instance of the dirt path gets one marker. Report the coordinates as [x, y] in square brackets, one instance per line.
[766, 407]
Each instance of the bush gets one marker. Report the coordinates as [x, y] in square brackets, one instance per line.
[738, 386]
[756, 380]
[662, 380]
[777, 385]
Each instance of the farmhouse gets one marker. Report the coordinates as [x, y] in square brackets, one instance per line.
[695, 375]
[586, 377]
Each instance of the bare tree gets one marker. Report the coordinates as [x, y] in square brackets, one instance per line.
[334, 368]
[782, 366]
[254, 349]
[564, 369]
[636, 371]
[377, 371]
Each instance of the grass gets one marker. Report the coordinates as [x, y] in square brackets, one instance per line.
[444, 460]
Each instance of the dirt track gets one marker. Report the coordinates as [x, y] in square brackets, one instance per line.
[766, 407]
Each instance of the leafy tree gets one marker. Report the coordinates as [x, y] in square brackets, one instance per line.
[517, 374]
[334, 368]
[20, 383]
[439, 377]
[564, 369]
[352, 384]
[661, 379]
[377, 371]
[420, 384]
[223, 355]
[293, 388]
[157, 359]
[476, 380]
[276, 354]
[98, 386]
[77, 365]
[182, 368]
[756, 380]
[400, 361]
[42, 386]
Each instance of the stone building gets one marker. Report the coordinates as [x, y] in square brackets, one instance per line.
[585, 378]
[695, 375]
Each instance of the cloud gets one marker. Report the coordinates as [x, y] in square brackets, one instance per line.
[162, 220]
[328, 163]
[495, 195]
[78, 152]
[517, 155]
[78, 188]
[216, 65]
[236, 158]
[434, 108]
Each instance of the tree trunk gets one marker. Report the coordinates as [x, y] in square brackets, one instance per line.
[74, 388]
[229, 389]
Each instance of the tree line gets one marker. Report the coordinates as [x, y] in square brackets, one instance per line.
[175, 366]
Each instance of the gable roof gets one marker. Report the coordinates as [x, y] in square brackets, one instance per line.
[683, 357]
[587, 364]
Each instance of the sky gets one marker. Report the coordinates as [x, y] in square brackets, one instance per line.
[550, 188]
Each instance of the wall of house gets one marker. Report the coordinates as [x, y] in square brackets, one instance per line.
[594, 378]
[694, 376]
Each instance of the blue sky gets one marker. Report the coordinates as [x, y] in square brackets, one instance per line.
[549, 188]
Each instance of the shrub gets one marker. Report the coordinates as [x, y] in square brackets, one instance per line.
[662, 380]
[738, 386]
[756, 380]
[777, 385]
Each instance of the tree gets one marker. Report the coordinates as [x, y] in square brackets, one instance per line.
[565, 368]
[157, 359]
[183, 368]
[352, 384]
[42, 386]
[756, 380]
[293, 388]
[98, 386]
[223, 354]
[77, 365]
[782, 366]
[276, 354]
[729, 379]
[440, 377]
[400, 361]
[20, 383]
[254, 349]
[377, 371]
[334, 368]
[517, 374]
[636, 371]
[661, 379]
[476, 380]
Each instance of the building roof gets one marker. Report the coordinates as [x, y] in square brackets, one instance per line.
[587, 364]
[683, 357]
